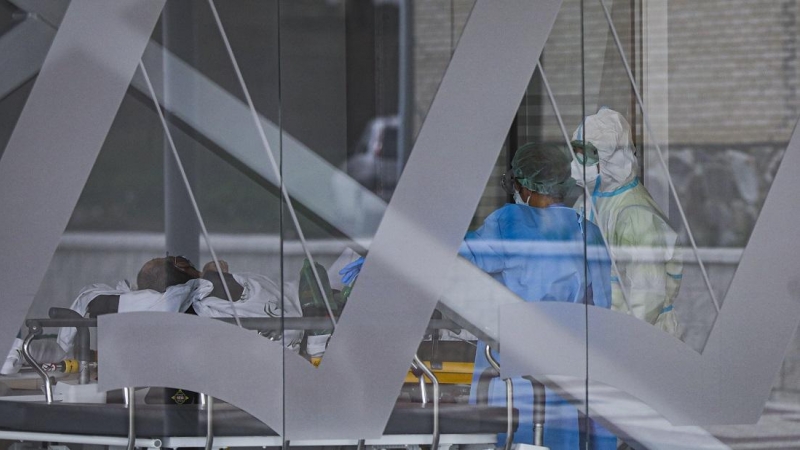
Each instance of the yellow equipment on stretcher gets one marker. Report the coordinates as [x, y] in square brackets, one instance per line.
[448, 372]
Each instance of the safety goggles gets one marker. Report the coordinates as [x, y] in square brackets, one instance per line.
[585, 152]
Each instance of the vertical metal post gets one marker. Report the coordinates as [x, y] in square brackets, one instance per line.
[539, 405]
[487, 351]
[209, 423]
[405, 91]
[130, 401]
[513, 145]
[509, 413]
[180, 226]
[655, 92]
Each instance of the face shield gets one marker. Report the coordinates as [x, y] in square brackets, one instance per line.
[586, 153]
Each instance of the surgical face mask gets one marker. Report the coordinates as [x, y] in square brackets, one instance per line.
[578, 170]
[518, 198]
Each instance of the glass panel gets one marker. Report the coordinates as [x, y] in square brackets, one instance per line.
[538, 251]
[315, 242]
[709, 113]
[135, 216]
[639, 309]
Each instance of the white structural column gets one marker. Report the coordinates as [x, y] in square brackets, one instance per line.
[58, 137]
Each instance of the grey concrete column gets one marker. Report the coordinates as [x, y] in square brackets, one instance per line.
[181, 227]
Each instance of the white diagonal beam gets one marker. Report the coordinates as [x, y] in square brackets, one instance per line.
[58, 136]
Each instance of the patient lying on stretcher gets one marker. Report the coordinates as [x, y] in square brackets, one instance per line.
[173, 284]
[252, 295]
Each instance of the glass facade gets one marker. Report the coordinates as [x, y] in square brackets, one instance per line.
[399, 223]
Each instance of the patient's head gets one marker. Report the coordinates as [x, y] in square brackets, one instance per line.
[234, 287]
[160, 273]
[211, 267]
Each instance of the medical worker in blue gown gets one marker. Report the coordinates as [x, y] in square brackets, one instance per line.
[536, 249]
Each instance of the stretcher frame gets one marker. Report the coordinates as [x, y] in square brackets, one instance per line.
[435, 439]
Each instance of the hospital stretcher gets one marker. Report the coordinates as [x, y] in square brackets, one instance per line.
[215, 424]
[173, 426]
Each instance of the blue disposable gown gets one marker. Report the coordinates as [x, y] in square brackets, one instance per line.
[538, 253]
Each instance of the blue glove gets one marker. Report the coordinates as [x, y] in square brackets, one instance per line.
[351, 271]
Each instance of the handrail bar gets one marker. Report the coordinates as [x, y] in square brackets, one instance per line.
[263, 323]
[48, 383]
[429, 373]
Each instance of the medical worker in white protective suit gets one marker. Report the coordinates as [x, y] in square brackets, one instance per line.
[642, 242]
[536, 249]
[253, 295]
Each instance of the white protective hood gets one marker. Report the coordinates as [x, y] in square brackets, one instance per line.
[610, 133]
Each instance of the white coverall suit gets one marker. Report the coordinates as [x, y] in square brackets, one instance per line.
[641, 241]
